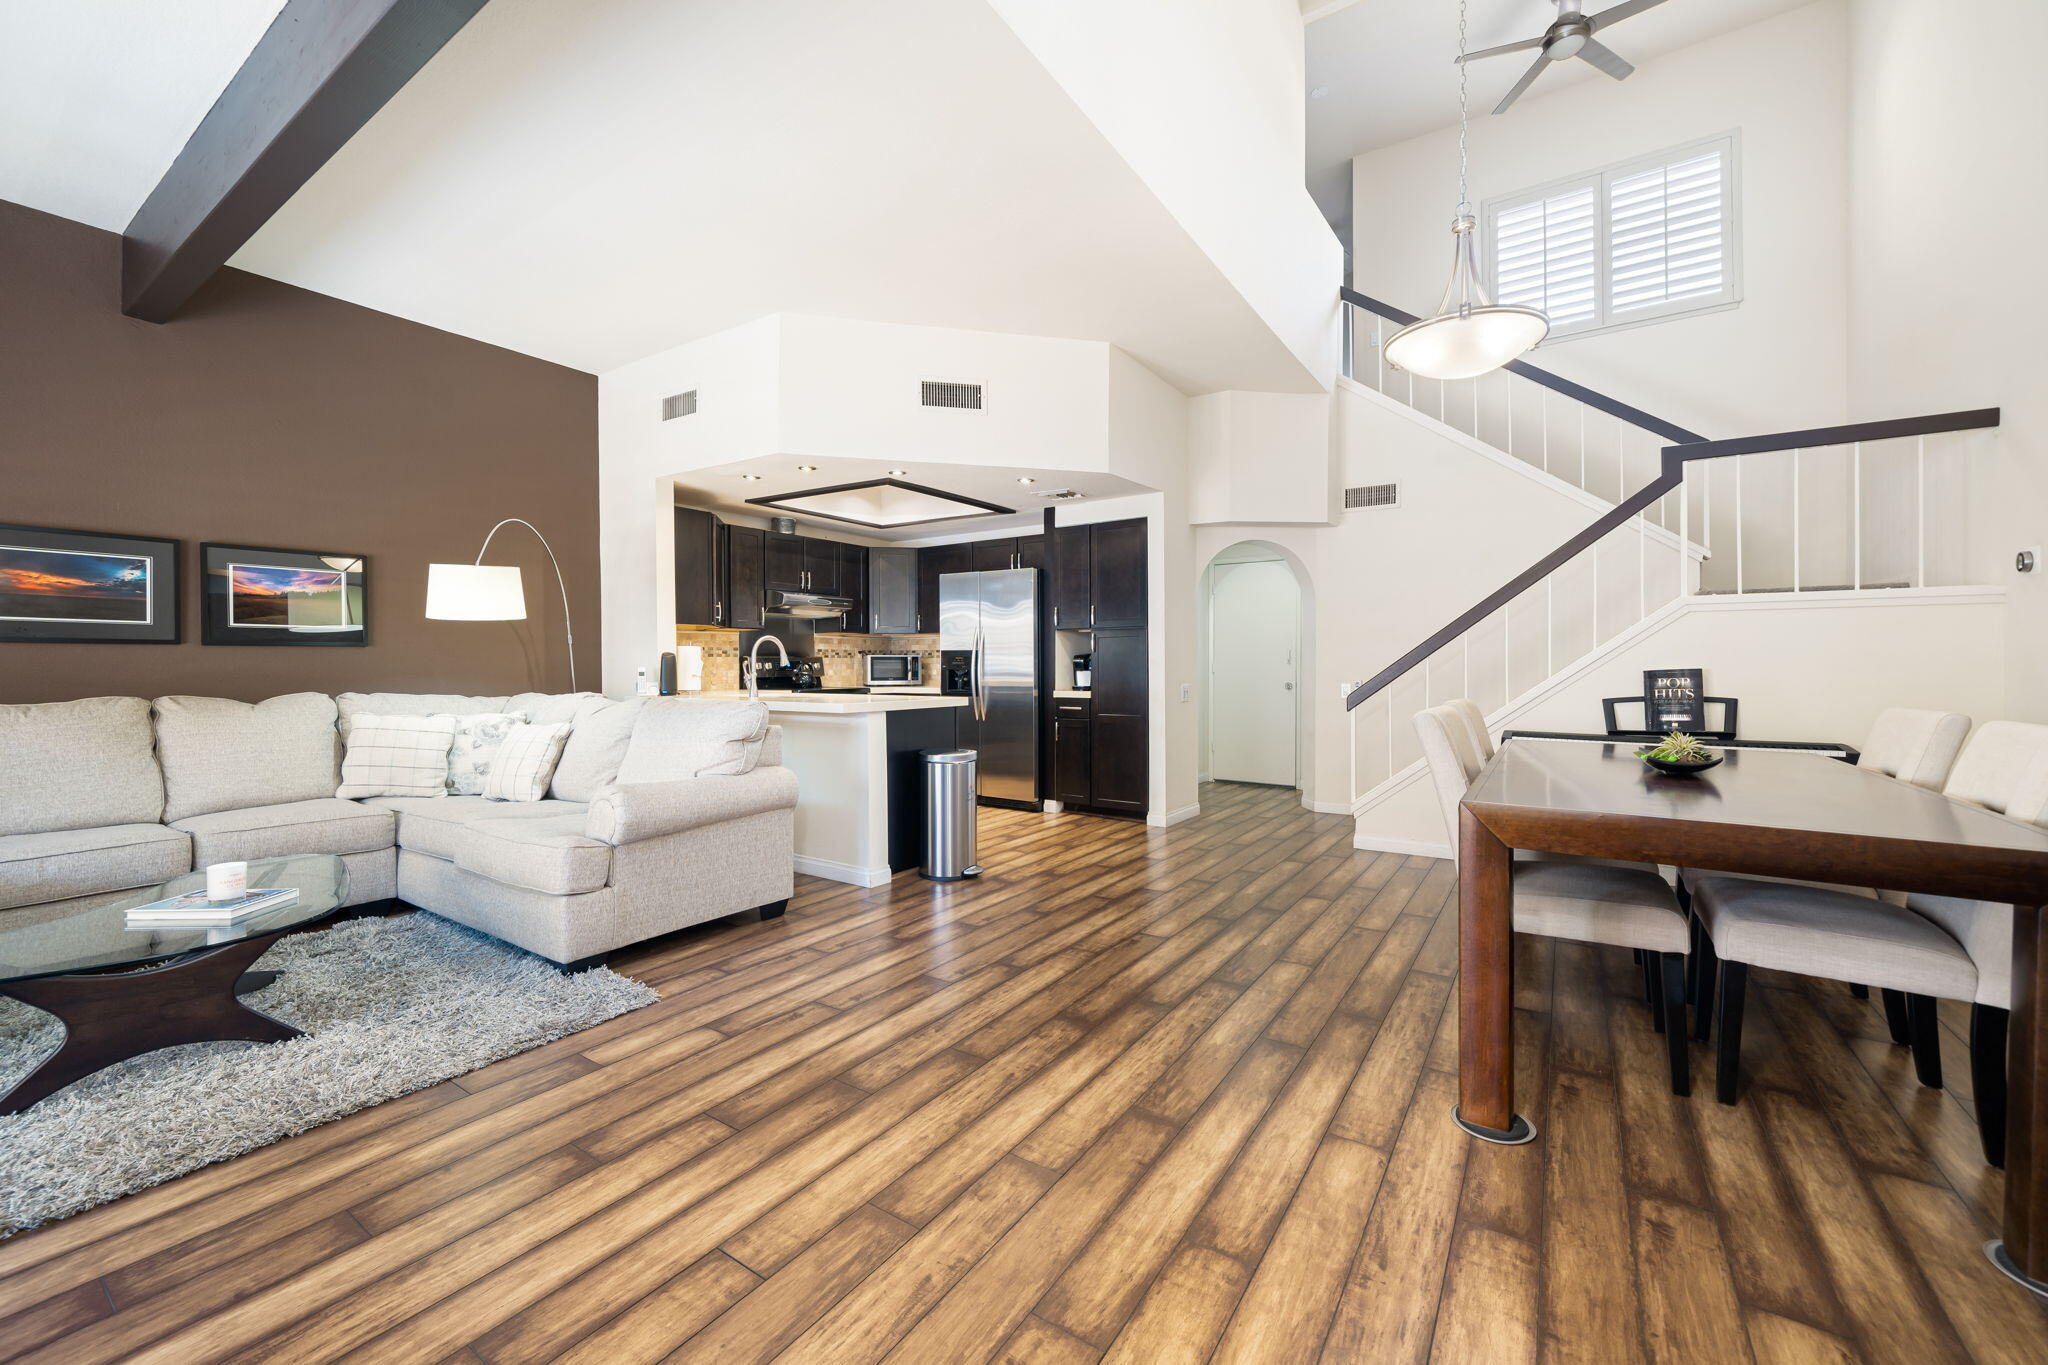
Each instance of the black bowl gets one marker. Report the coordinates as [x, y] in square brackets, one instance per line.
[1665, 765]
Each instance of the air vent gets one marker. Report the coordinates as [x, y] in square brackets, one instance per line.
[1062, 494]
[1372, 495]
[940, 393]
[678, 405]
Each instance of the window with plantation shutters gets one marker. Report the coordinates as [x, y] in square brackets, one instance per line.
[1650, 238]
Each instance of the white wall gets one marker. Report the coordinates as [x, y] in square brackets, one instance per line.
[1948, 112]
[1814, 668]
[1261, 457]
[1776, 362]
[1204, 99]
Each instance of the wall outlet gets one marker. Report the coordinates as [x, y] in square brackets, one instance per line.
[1187, 691]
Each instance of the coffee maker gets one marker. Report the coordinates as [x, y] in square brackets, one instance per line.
[1084, 672]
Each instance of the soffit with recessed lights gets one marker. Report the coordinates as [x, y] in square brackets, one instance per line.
[881, 503]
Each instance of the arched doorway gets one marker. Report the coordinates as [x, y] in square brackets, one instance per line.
[1255, 619]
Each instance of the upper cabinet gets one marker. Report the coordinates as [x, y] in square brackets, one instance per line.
[853, 583]
[932, 562]
[892, 590]
[1071, 599]
[745, 582]
[1025, 552]
[700, 571]
[1116, 573]
[783, 562]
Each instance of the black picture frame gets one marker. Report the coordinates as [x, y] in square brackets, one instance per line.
[102, 604]
[1675, 699]
[255, 595]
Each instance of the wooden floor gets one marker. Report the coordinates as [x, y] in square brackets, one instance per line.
[1135, 1095]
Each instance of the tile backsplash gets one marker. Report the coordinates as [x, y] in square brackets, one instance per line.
[721, 656]
[842, 656]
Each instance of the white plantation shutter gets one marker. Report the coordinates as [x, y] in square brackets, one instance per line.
[1545, 254]
[1666, 230]
[1651, 238]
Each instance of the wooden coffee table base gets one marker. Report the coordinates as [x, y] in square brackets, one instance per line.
[111, 1017]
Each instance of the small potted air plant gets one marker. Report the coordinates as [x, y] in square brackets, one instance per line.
[1679, 754]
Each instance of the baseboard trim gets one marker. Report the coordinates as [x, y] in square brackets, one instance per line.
[1416, 848]
[1329, 807]
[849, 873]
[1175, 817]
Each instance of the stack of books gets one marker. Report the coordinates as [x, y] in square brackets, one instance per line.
[194, 908]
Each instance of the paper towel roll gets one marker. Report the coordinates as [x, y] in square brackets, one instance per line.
[689, 668]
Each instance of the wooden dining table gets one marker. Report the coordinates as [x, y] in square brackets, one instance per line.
[1771, 812]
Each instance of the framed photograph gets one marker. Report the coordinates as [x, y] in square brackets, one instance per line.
[283, 597]
[84, 587]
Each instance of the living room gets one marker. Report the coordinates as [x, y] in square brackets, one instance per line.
[741, 681]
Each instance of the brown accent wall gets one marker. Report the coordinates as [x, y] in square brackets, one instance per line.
[270, 415]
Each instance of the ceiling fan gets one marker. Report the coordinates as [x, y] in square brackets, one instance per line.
[1571, 36]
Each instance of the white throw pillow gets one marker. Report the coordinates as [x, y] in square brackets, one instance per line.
[524, 763]
[678, 738]
[396, 756]
[476, 744]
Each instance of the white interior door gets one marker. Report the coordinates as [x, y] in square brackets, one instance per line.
[1254, 652]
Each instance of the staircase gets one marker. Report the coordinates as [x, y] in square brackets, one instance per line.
[1867, 508]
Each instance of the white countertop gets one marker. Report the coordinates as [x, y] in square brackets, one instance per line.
[836, 703]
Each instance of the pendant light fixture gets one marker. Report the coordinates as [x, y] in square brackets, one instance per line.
[1470, 335]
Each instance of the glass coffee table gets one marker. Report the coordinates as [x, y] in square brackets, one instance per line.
[123, 991]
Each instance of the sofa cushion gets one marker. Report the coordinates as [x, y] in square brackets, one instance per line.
[78, 765]
[219, 754]
[396, 756]
[52, 865]
[676, 737]
[324, 825]
[597, 745]
[549, 853]
[430, 824]
[349, 705]
[526, 763]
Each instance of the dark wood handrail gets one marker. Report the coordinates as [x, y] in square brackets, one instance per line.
[1600, 402]
[1671, 473]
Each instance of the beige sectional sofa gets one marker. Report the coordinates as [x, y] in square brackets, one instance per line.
[661, 814]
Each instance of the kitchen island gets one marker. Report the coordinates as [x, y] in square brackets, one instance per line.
[859, 805]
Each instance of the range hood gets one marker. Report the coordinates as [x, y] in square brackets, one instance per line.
[806, 605]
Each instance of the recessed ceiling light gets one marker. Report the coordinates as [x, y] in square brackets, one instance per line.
[899, 473]
[751, 478]
[808, 468]
[1025, 478]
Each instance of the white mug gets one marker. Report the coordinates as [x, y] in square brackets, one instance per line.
[226, 881]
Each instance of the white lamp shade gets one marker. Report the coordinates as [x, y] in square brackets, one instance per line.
[1463, 346]
[475, 592]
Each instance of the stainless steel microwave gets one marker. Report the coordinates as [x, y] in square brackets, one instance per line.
[894, 670]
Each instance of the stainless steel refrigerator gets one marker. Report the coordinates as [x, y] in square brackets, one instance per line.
[992, 617]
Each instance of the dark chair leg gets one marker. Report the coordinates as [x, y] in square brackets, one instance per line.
[774, 909]
[1653, 974]
[1987, 1078]
[1703, 1011]
[1698, 935]
[1926, 1039]
[1674, 1024]
[1649, 978]
[1728, 1058]
[1895, 1016]
[1859, 991]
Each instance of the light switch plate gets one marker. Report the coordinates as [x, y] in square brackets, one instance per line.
[1186, 691]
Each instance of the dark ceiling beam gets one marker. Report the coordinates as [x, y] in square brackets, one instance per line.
[321, 71]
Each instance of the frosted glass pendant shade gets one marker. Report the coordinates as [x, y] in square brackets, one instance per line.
[475, 592]
[1468, 336]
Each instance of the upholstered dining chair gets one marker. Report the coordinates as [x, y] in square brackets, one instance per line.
[1586, 901]
[1932, 948]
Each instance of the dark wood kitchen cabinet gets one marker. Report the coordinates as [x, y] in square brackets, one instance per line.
[1120, 769]
[1072, 755]
[892, 590]
[1022, 552]
[821, 566]
[1116, 573]
[1070, 595]
[853, 583]
[932, 562]
[783, 562]
[700, 569]
[745, 577]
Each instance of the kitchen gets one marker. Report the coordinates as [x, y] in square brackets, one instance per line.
[1030, 649]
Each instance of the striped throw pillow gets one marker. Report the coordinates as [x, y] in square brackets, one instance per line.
[396, 756]
[525, 762]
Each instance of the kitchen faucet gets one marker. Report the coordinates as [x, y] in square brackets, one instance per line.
[754, 664]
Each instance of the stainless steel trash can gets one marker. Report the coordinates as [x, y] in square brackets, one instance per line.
[949, 780]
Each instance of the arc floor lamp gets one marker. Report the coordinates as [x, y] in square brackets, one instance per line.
[493, 592]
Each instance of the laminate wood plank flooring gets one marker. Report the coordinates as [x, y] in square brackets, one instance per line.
[1135, 1095]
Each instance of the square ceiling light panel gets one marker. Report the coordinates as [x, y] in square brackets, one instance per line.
[881, 502]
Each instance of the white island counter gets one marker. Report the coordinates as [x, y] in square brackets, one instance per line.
[859, 807]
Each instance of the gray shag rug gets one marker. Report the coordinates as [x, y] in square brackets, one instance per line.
[389, 1005]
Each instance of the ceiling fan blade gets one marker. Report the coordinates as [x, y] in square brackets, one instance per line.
[1528, 79]
[1607, 59]
[1522, 46]
[1614, 14]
